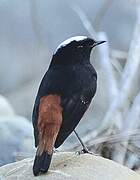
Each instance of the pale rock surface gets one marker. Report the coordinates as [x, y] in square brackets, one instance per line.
[5, 107]
[70, 166]
[16, 134]
[16, 138]
[138, 170]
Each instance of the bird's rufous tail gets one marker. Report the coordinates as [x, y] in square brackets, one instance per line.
[49, 123]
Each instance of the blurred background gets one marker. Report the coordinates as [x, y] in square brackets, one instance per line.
[30, 31]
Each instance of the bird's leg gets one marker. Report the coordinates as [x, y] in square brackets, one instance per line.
[55, 150]
[85, 149]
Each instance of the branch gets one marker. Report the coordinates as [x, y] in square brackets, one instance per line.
[85, 21]
[130, 86]
[131, 122]
[35, 22]
[101, 13]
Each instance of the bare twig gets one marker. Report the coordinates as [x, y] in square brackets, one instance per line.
[122, 100]
[130, 86]
[114, 138]
[107, 66]
[118, 60]
[35, 22]
[101, 13]
[85, 21]
[132, 122]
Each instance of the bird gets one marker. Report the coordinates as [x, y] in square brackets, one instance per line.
[63, 97]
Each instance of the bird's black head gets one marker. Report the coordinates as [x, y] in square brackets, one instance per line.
[75, 50]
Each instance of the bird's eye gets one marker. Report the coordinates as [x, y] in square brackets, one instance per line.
[80, 46]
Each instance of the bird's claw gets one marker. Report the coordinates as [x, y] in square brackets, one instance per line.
[55, 151]
[84, 151]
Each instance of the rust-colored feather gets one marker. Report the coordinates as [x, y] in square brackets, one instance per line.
[49, 122]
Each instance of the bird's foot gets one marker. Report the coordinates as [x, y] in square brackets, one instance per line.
[55, 151]
[87, 151]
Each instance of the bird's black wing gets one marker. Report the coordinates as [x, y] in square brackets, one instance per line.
[73, 109]
[76, 95]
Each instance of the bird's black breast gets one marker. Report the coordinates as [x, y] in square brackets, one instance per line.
[68, 80]
[76, 85]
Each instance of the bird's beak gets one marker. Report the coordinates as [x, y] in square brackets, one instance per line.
[97, 43]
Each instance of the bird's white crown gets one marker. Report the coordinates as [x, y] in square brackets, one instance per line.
[69, 40]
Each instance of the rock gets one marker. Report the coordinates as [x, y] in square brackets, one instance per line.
[16, 137]
[5, 107]
[71, 166]
[138, 170]
[23, 98]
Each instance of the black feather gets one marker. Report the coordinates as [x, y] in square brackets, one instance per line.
[73, 111]
[72, 83]
[41, 163]
[73, 78]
